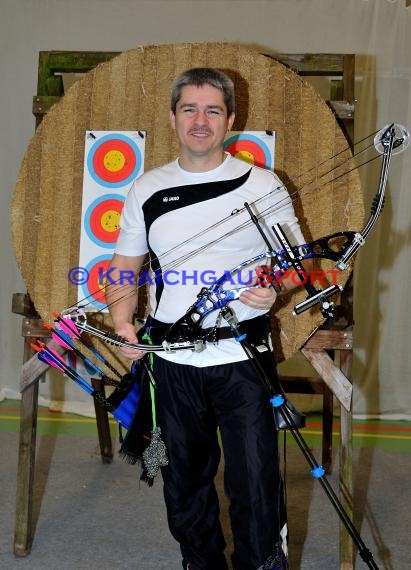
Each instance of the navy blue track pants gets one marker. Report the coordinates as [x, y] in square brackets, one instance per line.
[191, 403]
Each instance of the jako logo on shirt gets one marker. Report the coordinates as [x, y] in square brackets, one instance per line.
[171, 198]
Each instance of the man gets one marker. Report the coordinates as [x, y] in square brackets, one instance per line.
[189, 216]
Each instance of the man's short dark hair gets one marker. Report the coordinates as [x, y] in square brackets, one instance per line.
[199, 76]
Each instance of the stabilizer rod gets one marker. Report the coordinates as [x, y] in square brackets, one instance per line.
[277, 400]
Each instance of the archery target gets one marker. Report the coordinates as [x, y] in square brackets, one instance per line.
[94, 288]
[102, 219]
[114, 160]
[254, 147]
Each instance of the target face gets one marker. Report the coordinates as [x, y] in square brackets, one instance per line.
[102, 219]
[94, 289]
[250, 148]
[114, 160]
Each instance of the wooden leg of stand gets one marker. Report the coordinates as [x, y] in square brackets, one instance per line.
[103, 426]
[346, 488]
[327, 445]
[23, 536]
[346, 476]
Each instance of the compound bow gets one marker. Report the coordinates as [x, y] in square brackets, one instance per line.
[187, 332]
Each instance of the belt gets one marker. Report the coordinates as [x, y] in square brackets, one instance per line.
[258, 326]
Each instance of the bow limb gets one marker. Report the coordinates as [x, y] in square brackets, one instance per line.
[390, 140]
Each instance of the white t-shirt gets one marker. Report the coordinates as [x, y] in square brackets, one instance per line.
[196, 229]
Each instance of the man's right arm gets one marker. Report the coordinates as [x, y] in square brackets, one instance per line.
[122, 298]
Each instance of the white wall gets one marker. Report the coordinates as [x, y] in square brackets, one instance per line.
[377, 30]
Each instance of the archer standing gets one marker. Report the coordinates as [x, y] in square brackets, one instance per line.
[175, 214]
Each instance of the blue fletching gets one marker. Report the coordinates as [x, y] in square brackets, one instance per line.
[65, 337]
[41, 356]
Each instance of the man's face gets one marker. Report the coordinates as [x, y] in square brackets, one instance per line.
[201, 121]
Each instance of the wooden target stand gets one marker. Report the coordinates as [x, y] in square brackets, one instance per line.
[329, 350]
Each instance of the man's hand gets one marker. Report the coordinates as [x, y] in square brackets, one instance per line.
[122, 300]
[259, 298]
[128, 332]
[264, 297]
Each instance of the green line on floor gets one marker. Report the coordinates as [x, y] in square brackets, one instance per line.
[392, 436]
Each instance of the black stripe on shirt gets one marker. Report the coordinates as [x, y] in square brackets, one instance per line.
[171, 199]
